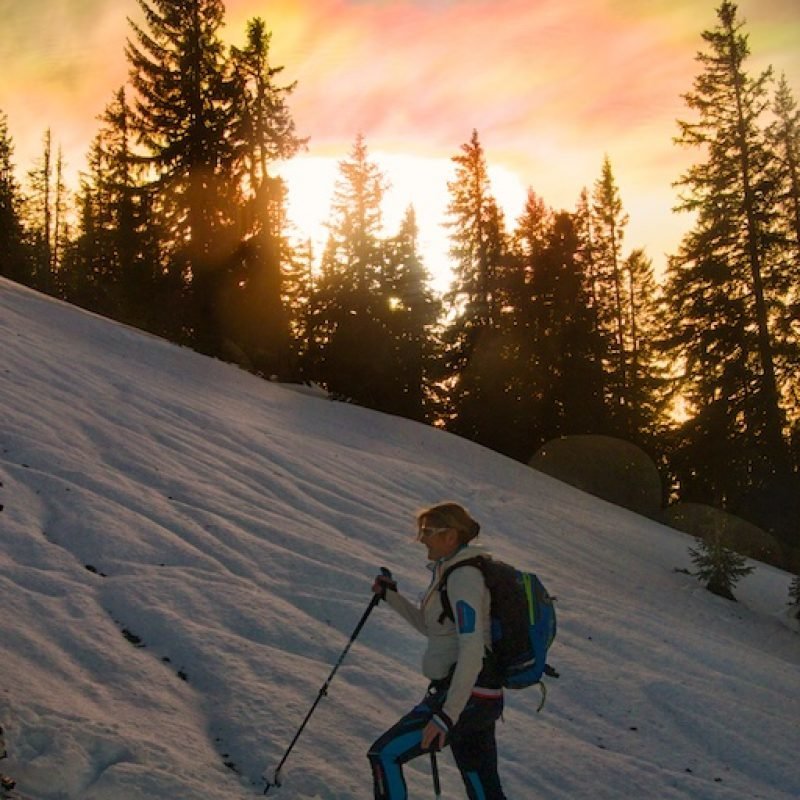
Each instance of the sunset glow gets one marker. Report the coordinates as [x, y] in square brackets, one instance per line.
[311, 182]
[551, 88]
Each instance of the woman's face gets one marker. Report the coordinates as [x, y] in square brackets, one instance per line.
[440, 542]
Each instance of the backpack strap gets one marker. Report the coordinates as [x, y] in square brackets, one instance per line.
[447, 608]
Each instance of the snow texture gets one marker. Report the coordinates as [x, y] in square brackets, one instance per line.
[185, 550]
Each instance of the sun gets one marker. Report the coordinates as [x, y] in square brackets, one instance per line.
[418, 181]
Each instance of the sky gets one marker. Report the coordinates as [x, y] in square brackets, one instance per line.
[551, 87]
[185, 550]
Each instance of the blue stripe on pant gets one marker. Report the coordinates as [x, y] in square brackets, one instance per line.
[472, 742]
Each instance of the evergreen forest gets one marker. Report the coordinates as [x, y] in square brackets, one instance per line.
[551, 327]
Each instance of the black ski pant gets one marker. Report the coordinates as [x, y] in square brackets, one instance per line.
[472, 742]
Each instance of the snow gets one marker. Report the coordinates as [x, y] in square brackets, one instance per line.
[186, 550]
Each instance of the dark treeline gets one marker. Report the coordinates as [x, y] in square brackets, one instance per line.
[551, 326]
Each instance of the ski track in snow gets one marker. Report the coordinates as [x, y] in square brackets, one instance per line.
[186, 550]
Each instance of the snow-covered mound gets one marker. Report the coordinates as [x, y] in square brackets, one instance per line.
[185, 549]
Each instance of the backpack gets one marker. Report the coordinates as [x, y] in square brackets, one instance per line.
[523, 621]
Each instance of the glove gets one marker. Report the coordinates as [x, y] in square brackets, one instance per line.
[382, 584]
[437, 731]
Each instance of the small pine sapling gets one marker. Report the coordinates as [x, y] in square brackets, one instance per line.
[717, 566]
[794, 596]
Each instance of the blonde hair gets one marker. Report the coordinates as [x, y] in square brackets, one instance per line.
[450, 515]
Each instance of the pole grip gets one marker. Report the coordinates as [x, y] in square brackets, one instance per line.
[376, 598]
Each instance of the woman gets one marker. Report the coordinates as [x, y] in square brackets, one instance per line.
[464, 699]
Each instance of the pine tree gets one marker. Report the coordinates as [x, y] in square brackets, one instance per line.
[263, 133]
[586, 255]
[784, 137]
[518, 285]
[717, 566]
[476, 374]
[477, 236]
[352, 349]
[724, 291]
[264, 129]
[646, 374]
[183, 116]
[44, 214]
[409, 313]
[114, 265]
[14, 257]
[38, 212]
[353, 251]
[61, 230]
[149, 291]
[530, 237]
[89, 266]
[566, 391]
[298, 299]
[611, 293]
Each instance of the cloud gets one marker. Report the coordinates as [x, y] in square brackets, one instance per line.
[405, 71]
[62, 60]
[551, 86]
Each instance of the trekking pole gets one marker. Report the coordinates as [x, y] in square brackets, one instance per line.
[437, 786]
[376, 598]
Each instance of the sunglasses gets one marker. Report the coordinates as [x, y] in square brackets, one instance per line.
[425, 531]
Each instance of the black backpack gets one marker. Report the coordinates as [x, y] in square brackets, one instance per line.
[523, 620]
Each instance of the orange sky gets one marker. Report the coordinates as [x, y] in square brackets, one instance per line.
[551, 86]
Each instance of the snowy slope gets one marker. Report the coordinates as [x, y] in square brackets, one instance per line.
[185, 549]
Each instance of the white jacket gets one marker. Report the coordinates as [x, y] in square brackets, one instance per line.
[463, 642]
